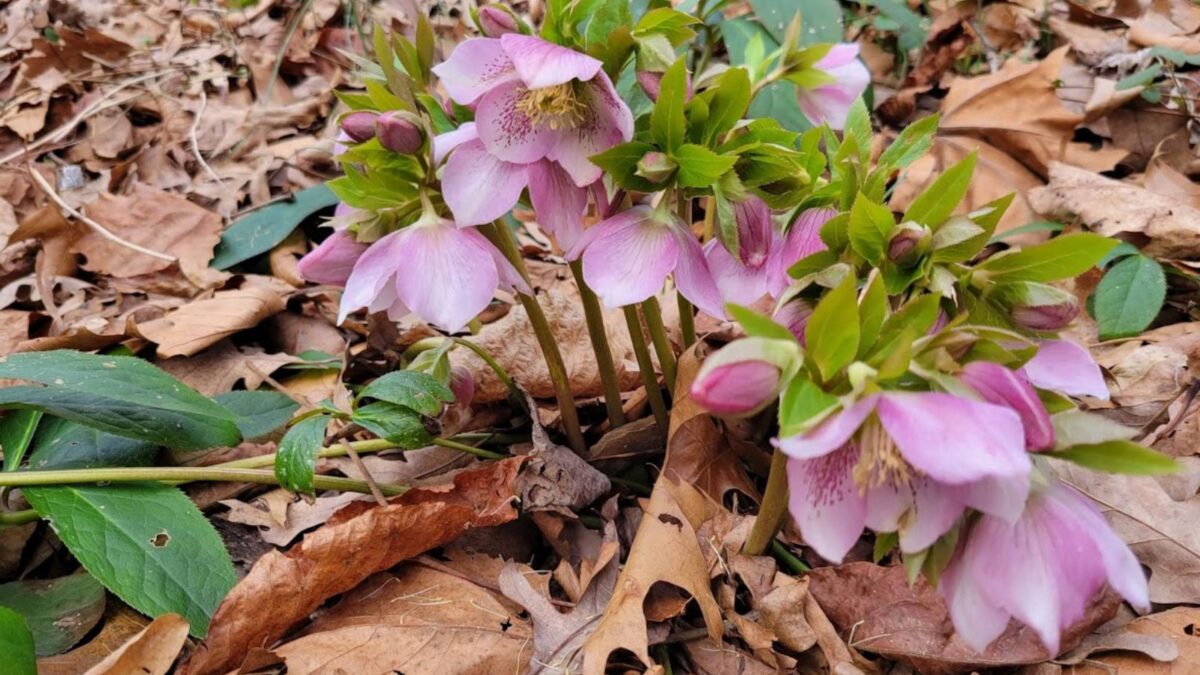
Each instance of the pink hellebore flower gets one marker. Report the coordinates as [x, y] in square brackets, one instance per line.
[907, 463]
[1003, 386]
[333, 259]
[1042, 569]
[627, 257]
[541, 111]
[745, 376]
[1066, 367]
[764, 255]
[830, 103]
[444, 274]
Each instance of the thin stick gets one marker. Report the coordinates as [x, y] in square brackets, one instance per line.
[195, 143]
[646, 368]
[362, 468]
[97, 227]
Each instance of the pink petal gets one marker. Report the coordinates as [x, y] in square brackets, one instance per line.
[607, 122]
[1002, 386]
[839, 55]
[1000, 496]
[952, 439]
[935, 509]
[627, 258]
[692, 276]
[478, 187]
[444, 143]
[475, 67]
[558, 202]
[831, 434]
[448, 275]
[826, 503]
[506, 131]
[756, 235]
[802, 239]
[333, 260]
[1064, 366]
[545, 64]
[738, 283]
[831, 103]
[975, 620]
[372, 273]
[737, 388]
[1121, 567]
[510, 278]
[886, 505]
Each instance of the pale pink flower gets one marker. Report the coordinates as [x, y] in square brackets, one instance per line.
[1042, 570]
[830, 103]
[1003, 386]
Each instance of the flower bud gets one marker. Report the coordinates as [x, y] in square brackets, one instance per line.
[360, 125]
[745, 376]
[1046, 317]
[400, 132]
[651, 82]
[462, 383]
[497, 20]
[656, 167]
[908, 244]
[1037, 307]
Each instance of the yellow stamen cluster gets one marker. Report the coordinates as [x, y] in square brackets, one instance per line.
[879, 461]
[556, 107]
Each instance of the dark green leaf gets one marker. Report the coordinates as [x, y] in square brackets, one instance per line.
[296, 460]
[1119, 457]
[59, 612]
[822, 19]
[1062, 257]
[939, 200]
[832, 333]
[414, 390]
[62, 444]
[873, 308]
[395, 423]
[16, 431]
[263, 229]
[258, 413]
[146, 542]
[1129, 297]
[16, 644]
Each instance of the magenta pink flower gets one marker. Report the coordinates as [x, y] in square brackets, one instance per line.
[830, 103]
[1065, 367]
[627, 258]
[1002, 386]
[1042, 569]
[907, 463]
[541, 111]
[764, 255]
[442, 273]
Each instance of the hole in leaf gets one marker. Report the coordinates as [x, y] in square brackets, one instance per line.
[160, 540]
[670, 520]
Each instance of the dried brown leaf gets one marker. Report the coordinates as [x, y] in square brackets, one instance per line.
[150, 652]
[202, 323]
[120, 625]
[1177, 625]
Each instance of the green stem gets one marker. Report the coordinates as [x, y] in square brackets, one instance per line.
[773, 508]
[469, 449]
[687, 320]
[514, 391]
[646, 368]
[361, 447]
[502, 238]
[662, 345]
[795, 564]
[12, 518]
[179, 474]
[599, 337]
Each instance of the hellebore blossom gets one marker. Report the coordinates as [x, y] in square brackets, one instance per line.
[907, 463]
[1002, 386]
[332, 261]
[442, 273]
[627, 257]
[744, 376]
[1043, 569]
[764, 255]
[1066, 367]
[831, 102]
[541, 111]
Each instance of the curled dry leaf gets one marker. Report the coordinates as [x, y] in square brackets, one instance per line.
[119, 625]
[419, 621]
[556, 479]
[358, 541]
[202, 323]
[910, 624]
[150, 652]
[1145, 653]
[1162, 226]
[300, 515]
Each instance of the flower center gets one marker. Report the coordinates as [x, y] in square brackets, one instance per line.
[556, 107]
[880, 461]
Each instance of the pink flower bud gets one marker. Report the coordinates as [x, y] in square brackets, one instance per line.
[495, 21]
[906, 246]
[651, 82]
[1046, 317]
[360, 126]
[332, 261]
[1036, 306]
[462, 383]
[399, 132]
[656, 167]
[736, 389]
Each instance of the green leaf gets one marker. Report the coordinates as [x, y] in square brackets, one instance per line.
[1118, 457]
[258, 413]
[146, 542]
[263, 229]
[296, 459]
[832, 333]
[1129, 297]
[666, 21]
[914, 141]
[668, 126]
[884, 543]
[873, 308]
[910, 26]
[62, 444]
[1076, 427]
[59, 612]
[938, 201]
[608, 35]
[822, 19]
[917, 316]
[757, 325]
[699, 166]
[801, 402]
[122, 395]
[1062, 257]
[727, 103]
[1140, 78]
[395, 423]
[726, 221]
[414, 390]
[16, 431]
[870, 225]
[1038, 226]
[16, 644]
[620, 162]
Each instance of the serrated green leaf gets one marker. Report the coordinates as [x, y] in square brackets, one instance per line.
[395, 423]
[757, 325]
[263, 229]
[16, 431]
[1118, 457]
[935, 204]
[296, 459]
[668, 125]
[16, 644]
[832, 333]
[667, 21]
[122, 395]
[869, 227]
[59, 612]
[620, 162]
[914, 141]
[414, 390]
[699, 166]
[1129, 297]
[258, 413]
[1062, 257]
[917, 316]
[146, 542]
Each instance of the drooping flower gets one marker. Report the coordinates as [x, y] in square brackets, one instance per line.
[800, 240]
[541, 111]
[443, 273]
[626, 259]
[744, 376]
[830, 102]
[1003, 386]
[1064, 366]
[1042, 570]
[907, 463]
[333, 259]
